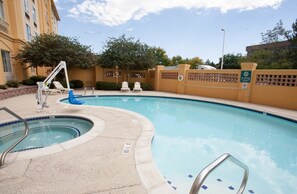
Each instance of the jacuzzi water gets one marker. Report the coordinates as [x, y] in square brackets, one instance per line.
[44, 131]
[191, 134]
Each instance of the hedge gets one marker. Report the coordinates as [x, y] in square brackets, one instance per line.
[113, 86]
[77, 83]
[12, 84]
[107, 86]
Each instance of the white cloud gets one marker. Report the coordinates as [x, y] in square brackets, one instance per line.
[116, 12]
[91, 32]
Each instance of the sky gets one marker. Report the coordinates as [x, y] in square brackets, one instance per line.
[189, 28]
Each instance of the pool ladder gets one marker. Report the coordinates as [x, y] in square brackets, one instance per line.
[205, 172]
[2, 159]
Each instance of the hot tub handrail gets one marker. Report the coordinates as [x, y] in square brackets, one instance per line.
[205, 172]
[2, 159]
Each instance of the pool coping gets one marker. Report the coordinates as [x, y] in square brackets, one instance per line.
[147, 170]
[98, 127]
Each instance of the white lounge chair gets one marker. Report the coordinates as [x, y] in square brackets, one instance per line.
[60, 87]
[137, 87]
[125, 87]
[52, 91]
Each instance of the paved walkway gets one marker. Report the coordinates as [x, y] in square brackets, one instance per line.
[96, 165]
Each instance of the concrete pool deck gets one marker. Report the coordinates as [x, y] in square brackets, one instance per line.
[97, 164]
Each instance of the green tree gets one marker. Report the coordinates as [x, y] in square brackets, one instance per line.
[161, 56]
[49, 49]
[274, 57]
[176, 60]
[231, 61]
[278, 33]
[127, 54]
[292, 37]
[194, 62]
[211, 63]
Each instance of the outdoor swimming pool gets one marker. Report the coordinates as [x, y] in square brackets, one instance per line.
[191, 134]
[44, 131]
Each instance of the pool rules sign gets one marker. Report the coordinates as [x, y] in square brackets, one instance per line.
[245, 76]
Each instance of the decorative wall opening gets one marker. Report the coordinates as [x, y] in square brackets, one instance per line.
[169, 75]
[277, 80]
[214, 77]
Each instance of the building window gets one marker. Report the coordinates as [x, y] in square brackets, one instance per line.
[28, 30]
[34, 16]
[1, 9]
[6, 61]
[26, 6]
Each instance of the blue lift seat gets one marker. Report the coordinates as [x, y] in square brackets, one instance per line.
[72, 99]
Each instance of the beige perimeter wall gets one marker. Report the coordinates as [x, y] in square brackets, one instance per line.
[276, 88]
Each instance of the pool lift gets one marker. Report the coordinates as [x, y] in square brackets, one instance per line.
[44, 86]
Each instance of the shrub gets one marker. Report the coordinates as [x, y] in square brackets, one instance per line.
[114, 86]
[12, 84]
[107, 86]
[37, 78]
[3, 87]
[28, 82]
[77, 83]
[64, 84]
[146, 86]
[130, 85]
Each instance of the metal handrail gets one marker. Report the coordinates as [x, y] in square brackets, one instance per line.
[205, 172]
[2, 159]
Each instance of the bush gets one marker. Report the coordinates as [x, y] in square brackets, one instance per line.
[3, 87]
[12, 84]
[146, 86]
[28, 82]
[37, 78]
[77, 83]
[107, 86]
[64, 84]
[130, 85]
[114, 86]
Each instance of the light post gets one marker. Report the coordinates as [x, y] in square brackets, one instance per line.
[222, 62]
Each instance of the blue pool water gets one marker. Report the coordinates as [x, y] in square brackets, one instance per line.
[191, 134]
[44, 131]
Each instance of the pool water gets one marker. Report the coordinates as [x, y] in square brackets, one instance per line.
[191, 134]
[44, 131]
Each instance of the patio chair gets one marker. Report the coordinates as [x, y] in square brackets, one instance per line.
[125, 87]
[60, 87]
[137, 87]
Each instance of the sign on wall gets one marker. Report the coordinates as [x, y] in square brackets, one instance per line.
[245, 76]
